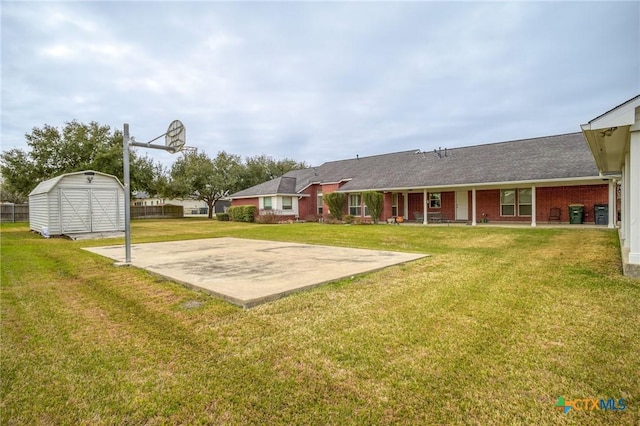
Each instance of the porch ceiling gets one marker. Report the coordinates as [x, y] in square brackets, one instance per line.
[608, 146]
[608, 135]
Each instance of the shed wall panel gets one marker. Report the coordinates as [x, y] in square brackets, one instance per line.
[38, 212]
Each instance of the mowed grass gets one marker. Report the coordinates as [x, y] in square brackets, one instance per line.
[491, 329]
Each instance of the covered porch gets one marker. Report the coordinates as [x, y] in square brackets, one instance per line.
[509, 202]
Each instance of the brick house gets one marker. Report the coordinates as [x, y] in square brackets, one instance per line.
[518, 181]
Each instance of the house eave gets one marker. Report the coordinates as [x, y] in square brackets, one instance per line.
[269, 195]
[491, 185]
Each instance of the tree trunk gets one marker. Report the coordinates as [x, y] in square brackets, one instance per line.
[211, 204]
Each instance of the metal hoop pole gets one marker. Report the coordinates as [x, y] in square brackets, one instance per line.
[127, 195]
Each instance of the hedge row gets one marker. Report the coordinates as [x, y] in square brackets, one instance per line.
[242, 213]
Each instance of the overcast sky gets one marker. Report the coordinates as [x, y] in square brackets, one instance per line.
[317, 81]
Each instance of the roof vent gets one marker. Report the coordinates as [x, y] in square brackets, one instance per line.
[439, 152]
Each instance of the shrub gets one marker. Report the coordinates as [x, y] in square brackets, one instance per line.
[349, 218]
[267, 216]
[242, 213]
[223, 217]
[335, 201]
[374, 201]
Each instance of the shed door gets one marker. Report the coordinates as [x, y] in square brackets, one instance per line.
[75, 210]
[89, 210]
[105, 213]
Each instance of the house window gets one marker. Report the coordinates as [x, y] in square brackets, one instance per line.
[355, 208]
[524, 202]
[507, 202]
[266, 203]
[394, 204]
[320, 203]
[287, 203]
[434, 200]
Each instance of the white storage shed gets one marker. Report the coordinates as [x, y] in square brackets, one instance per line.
[79, 202]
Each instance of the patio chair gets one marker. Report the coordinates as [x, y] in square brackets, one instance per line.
[419, 216]
[554, 214]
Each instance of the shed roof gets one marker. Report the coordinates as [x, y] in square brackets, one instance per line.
[546, 158]
[47, 185]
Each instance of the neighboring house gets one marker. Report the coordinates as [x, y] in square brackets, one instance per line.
[614, 140]
[191, 207]
[517, 181]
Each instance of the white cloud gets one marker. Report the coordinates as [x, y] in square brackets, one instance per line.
[60, 51]
[317, 81]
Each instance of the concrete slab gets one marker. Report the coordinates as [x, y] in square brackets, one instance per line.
[250, 272]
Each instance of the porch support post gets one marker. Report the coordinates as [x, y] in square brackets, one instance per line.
[533, 206]
[634, 195]
[626, 194]
[405, 207]
[473, 207]
[612, 203]
[424, 207]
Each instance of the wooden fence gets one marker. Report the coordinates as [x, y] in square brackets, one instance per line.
[157, 212]
[14, 213]
[20, 212]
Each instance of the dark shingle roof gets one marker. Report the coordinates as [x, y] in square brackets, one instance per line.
[551, 157]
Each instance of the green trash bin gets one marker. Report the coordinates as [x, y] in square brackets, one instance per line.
[575, 213]
[601, 214]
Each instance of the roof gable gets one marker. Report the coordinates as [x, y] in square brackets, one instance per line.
[49, 184]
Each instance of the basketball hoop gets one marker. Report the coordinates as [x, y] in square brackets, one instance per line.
[174, 141]
[175, 137]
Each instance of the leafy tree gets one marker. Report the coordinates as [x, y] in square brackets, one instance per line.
[18, 176]
[199, 177]
[262, 168]
[374, 201]
[75, 147]
[9, 196]
[335, 201]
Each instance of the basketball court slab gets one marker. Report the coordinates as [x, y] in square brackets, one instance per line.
[250, 272]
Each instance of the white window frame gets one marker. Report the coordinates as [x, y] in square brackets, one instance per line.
[521, 204]
[319, 201]
[504, 204]
[394, 204]
[264, 203]
[285, 206]
[435, 200]
[355, 209]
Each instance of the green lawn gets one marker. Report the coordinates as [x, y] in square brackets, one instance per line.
[492, 329]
